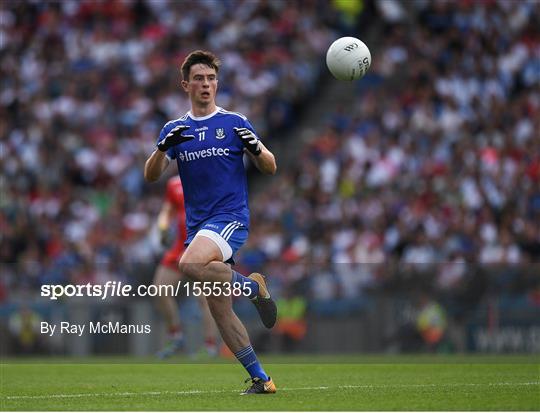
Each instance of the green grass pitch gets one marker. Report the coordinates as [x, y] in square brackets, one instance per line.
[304, 383]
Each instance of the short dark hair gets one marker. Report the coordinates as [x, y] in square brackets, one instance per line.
[199, 56]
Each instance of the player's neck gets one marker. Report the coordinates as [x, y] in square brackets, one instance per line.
[204, 110]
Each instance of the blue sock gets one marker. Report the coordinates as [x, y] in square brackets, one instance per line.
[249, 360]
[245, 282]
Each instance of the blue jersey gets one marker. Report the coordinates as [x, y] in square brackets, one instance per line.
[211, 167]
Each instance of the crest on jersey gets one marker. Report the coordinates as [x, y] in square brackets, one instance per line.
[220, 133]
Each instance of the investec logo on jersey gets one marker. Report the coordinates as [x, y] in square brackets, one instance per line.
[203, 153]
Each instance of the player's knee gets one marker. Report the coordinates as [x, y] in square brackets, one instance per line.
[194, 266]
[195, 272]
[188, 271]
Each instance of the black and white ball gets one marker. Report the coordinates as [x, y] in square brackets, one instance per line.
[348, 58]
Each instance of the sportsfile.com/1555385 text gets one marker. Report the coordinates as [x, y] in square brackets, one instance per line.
[119, 289]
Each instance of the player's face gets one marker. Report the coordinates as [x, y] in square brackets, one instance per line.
[202, 84]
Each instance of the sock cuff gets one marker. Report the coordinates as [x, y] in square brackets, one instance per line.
[244, 352]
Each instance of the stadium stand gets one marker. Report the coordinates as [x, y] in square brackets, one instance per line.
[428, 175]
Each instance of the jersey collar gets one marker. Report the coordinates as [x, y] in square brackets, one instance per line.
[204, 117]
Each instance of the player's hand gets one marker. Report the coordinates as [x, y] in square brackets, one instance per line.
[174, 137]
[164, 237]
[249, 140]
[164, 234]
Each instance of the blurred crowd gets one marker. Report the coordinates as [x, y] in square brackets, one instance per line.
[435, 160]
[86, 88]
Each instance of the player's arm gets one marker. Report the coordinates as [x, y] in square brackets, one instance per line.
[155, 165]
[263, 159]
[165, 217]
[158, 162]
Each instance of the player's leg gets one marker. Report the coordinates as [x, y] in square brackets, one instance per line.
[168, 274]
[202, 255]
[202, 261]
[193, 265]
[167, 305]
[236, 337]
[210, 330]
[230, 327]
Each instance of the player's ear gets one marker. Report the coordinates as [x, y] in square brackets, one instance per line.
[184, 85]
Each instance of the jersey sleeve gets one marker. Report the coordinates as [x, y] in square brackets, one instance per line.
[171, 153]
[247, 124]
